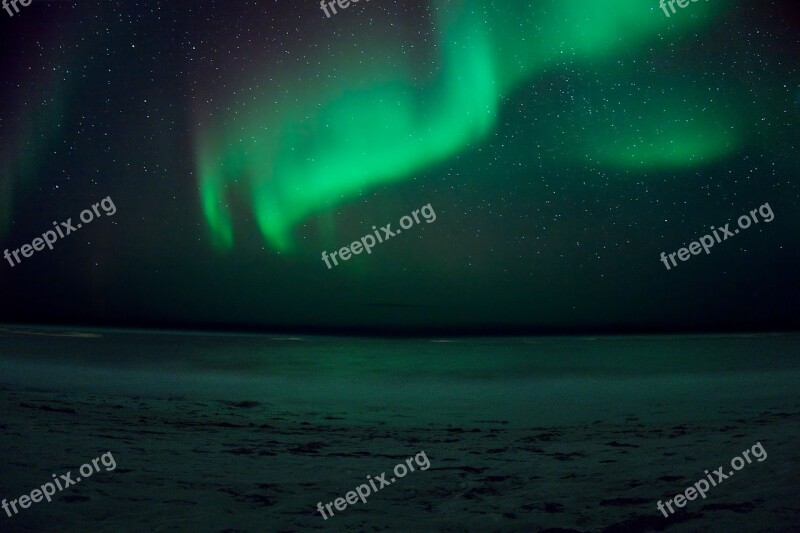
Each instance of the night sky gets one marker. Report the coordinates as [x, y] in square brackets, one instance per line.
[563, 145]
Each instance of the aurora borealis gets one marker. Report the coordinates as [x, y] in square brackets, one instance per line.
[297, 164]
[552, 244]
[564, 143]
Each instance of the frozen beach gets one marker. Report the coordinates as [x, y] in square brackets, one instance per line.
[247, 432]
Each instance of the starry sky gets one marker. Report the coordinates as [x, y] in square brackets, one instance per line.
[563, 144]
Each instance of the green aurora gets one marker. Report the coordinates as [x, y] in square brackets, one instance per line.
[293, 164]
